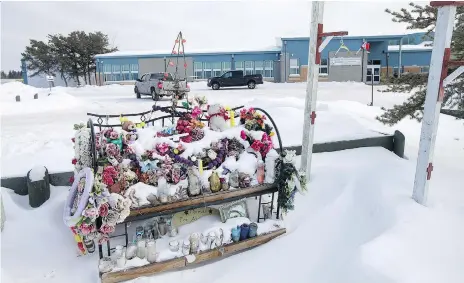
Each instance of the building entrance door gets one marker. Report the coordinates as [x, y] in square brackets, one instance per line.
[373, 73]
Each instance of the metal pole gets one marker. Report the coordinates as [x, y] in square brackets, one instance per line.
[372, 87]
[433, 100]
[399, 58]
[311, 87]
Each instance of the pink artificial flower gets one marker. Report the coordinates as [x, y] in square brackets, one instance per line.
[109, 173]
[91, 212]
[162, 148]
[114, 135]
[107, 229]
[103, 210]
[243, 135]
[257, 145]
[196, 111]
[112, 150]
[86, 228]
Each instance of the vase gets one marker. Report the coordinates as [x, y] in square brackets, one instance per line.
[236, 234]
[141, 249]
[174, 246]
[194, 184]
[244, 230]
[253, 230]
[151, 251]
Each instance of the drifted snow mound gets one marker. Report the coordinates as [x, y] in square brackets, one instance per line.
[58, 100]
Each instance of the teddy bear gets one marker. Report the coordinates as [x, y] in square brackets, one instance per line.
[217, 116]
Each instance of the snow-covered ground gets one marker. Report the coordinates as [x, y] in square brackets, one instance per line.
[357, 223]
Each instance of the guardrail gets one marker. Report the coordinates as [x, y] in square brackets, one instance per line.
[394, 143]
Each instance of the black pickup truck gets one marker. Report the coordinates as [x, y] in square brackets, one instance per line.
[235, 78]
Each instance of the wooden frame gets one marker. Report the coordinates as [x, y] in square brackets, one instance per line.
[173, 264]
[199, 201]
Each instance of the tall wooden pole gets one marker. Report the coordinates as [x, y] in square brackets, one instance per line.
[311, 88]
[316, 45]
[434, 98]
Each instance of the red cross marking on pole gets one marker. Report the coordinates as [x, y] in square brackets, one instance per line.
[313, 117]
[429, 171]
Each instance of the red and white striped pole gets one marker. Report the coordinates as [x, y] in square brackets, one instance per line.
[435, 90]
[316, 45]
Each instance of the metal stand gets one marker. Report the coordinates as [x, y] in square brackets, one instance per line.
[176, 112]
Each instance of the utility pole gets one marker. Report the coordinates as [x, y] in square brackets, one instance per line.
[437, 81]
[316, 45]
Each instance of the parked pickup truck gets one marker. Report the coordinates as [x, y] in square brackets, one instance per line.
[235, 78]
[158, 85]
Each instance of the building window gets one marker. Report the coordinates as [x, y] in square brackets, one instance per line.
[268, 69]
[198, 70]
[207, 70]
[134, 69]
[259, 68]
[376, 62]
[226, 66]
[239, 66]
[324, 67]
[294, 68]
[125, 72]
[424, 69]
[107, 68]
[107, 77]
[249, 67]
[216, 69]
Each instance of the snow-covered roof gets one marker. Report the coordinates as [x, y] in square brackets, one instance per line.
[187, 52]
[426, 45]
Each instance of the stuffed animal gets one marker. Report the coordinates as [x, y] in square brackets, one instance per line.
[128, 126]
[217, 116]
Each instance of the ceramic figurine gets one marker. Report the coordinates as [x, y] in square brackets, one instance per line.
[194, 243]
[224, 185]
[194, 184]
[233, 179]
[244, 180]
[215, 182]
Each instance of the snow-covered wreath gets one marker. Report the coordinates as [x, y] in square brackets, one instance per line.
[82, 148]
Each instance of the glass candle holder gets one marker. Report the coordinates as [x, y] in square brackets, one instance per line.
[151, 251]
[186, 247]
[131, 251]
[141, 249]
[260, 172]
[253, 230]
[244, 230]
[174, 246]
[236, 234]
[194, 242]
[162, 228]
[172, 231]
[121, 260]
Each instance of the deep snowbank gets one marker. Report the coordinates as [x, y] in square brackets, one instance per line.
[56, 101]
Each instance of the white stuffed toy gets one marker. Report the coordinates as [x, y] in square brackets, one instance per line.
[217, 116]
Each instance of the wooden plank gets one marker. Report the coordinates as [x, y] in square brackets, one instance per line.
[132, 273]
[151, 269]
[202, 200]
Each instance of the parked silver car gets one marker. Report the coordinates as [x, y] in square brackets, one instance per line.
[158, 85]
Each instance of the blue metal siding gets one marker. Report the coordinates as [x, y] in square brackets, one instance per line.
[411, 58]
[256, 57]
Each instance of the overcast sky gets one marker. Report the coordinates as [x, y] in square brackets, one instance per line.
[206, 25]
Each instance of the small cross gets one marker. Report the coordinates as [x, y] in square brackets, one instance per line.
[429, 171]
[313, 117]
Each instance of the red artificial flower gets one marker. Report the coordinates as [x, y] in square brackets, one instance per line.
[71, 180]
[74, 161]
[257, 145]
[73, 140]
